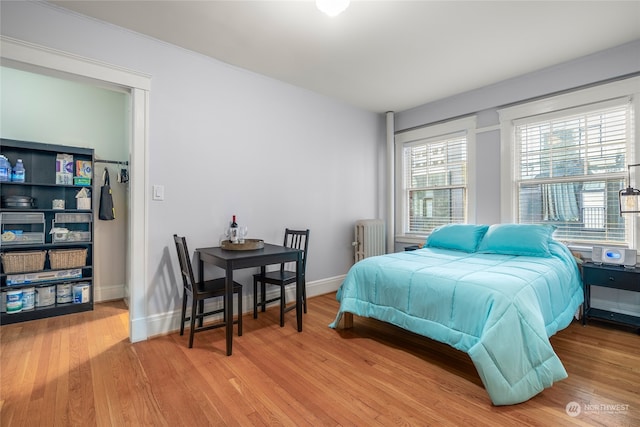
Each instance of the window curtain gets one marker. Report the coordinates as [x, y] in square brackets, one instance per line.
[561, 202]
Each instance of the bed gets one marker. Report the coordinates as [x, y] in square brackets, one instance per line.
[495, 292]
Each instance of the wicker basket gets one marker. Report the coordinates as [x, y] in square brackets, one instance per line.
[67, 258]
[22, 262]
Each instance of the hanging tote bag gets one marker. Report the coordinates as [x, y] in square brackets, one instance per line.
[107, 212]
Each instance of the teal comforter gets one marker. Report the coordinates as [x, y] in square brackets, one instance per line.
[499, 309]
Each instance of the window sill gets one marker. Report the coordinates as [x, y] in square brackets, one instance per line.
[403, 238]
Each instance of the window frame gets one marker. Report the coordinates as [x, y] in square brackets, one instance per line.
[510, 116]
[465, 126]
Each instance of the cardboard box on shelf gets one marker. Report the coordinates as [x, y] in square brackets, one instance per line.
[43, 276]
[83, 203]
[64, 169]
[83, 199]
[83, 168]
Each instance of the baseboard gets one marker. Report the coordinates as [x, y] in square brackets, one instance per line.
[324, 286]
[164, 323]
[138, 330]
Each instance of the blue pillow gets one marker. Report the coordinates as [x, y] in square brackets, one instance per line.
[517, 239]
[459, 237]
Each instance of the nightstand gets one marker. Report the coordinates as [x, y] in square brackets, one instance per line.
[411, 248]
[609, 276]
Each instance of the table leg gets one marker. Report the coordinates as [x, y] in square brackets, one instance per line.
[200, 267]
[200, 280]
[228, 308]
[586, 304]
[299, 286]
[263, 290]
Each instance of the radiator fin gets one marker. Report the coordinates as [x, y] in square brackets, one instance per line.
[370, 238]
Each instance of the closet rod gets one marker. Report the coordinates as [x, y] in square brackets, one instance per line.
[115, 162]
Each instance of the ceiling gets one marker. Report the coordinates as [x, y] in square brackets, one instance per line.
[381, 55]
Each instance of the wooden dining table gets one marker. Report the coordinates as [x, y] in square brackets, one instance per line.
[231, 260]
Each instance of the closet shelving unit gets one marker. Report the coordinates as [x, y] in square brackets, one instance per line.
[31, 229]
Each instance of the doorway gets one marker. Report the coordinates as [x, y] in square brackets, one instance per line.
[49, 62]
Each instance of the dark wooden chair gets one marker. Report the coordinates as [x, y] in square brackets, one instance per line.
[298, 239]
[199, 292]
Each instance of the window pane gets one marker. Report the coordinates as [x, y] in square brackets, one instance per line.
[435, 181]
[431, 208]
[588, 144]
[570, 171]
[581, 211]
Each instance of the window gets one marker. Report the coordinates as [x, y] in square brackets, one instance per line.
[569, 172]
[433, 176]
[568, 165]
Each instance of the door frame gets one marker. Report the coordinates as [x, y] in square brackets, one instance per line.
[44, 60]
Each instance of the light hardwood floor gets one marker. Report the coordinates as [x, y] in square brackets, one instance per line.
[81, 370]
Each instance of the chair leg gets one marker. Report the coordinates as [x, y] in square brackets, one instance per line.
[282, 305]
[255, 298]
[184, 311]
[201, 310]
[304, 296]
[240, 314]
[193, 322]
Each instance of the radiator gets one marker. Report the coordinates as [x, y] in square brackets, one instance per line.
[370, 238]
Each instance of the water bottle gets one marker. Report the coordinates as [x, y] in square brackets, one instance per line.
[18, 172]
[5, 169]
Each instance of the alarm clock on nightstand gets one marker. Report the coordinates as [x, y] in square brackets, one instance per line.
[614, 256]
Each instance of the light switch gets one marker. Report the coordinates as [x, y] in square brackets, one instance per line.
[158, 192]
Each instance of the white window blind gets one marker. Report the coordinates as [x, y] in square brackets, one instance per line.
[435, 182]
[569, 167]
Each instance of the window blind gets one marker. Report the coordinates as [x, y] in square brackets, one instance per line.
[569, 167]
[435, 182]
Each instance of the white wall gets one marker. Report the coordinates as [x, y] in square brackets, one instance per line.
[51, 110]
[226, 141]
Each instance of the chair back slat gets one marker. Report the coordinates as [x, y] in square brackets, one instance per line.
[297, 239]
[186, 269]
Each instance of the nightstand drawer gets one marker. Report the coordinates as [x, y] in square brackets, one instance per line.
[614, 277]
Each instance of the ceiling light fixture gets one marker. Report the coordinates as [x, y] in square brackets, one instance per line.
[332, 7]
